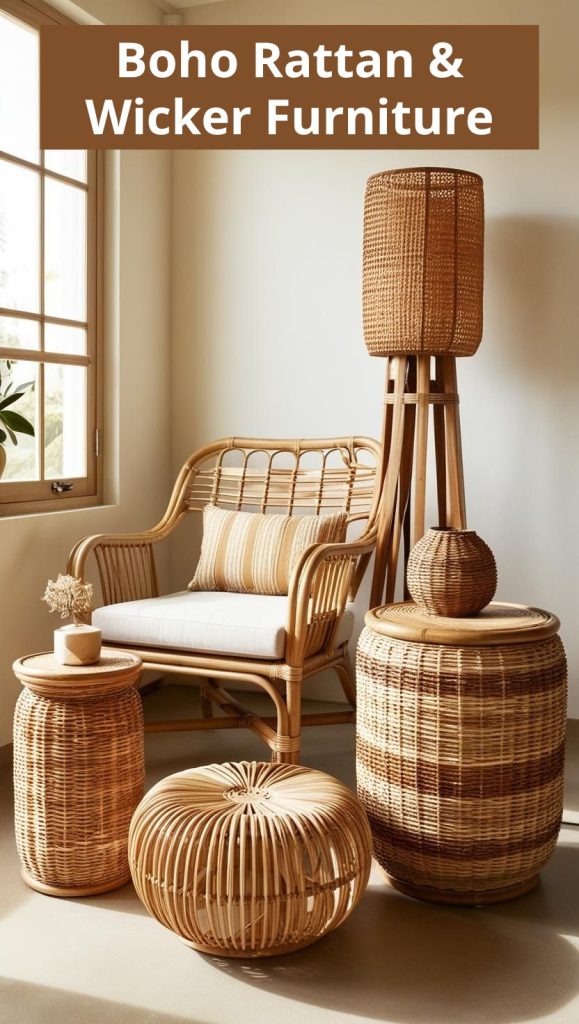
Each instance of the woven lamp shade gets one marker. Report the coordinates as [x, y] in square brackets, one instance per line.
[423, 262]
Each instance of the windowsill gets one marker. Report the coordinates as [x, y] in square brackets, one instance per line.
[49, 512]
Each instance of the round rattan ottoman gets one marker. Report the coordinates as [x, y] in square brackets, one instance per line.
[250, 859]
[460, 748]
[78, 771]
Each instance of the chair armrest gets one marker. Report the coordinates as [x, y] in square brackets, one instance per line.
[125, 563]
[319, 590]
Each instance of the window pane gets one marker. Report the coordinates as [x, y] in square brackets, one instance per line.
[65, 420]
[21, 459]
[17, 333]
[19, 238]
[19, 117]
[70, 340]
[65, 251]
[70, 162]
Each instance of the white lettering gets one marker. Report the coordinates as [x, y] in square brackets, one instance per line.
[223, 64]
[153, 120]
[162, 57]
[480, 116]
[131, 54]
[108, 112]
[266, 55]
[275, 115]
[392, 56]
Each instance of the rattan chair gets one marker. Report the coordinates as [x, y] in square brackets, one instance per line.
[272, 476]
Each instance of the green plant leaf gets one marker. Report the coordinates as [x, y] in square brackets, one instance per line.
[14, 421]
[11, 398]
[11, 433]
[3, 436]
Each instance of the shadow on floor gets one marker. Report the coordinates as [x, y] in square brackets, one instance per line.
[121, 901]
[406, 961]
[554, 904]
[28, 1003]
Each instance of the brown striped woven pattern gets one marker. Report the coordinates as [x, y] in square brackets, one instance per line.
[254, 553]
[250, 859]
[423, 262]
[451, 573]
[460, 761]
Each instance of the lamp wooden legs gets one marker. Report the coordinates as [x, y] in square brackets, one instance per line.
[411, 389]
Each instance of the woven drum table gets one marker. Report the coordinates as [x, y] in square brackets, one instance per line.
[460, 748]
[78, 771]
[250, 859]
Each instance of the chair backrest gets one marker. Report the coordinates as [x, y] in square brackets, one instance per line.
[289, 477]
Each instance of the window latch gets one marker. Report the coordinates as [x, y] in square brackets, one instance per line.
[59, 486]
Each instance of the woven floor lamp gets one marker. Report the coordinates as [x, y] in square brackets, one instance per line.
[422, 297]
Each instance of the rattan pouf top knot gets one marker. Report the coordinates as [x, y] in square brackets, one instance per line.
[250, 859]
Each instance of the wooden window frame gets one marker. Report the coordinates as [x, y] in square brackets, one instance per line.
[19, 496]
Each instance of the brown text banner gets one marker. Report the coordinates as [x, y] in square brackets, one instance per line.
[290, 87]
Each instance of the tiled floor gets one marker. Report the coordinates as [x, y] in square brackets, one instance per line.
[105, 960]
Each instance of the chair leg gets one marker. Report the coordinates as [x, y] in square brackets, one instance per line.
[294, 708]
[345, 673]
[151, 687]
[206, 705]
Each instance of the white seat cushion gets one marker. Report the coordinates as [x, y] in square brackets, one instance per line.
[251, 625]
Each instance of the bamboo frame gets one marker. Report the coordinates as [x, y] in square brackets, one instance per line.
[412, 388]
[268, 475]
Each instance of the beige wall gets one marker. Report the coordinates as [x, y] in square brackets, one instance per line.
[267, 327]
[32, 548]
[265, 255]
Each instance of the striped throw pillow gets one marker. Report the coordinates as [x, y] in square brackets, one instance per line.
[253, 553]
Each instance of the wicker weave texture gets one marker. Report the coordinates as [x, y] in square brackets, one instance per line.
[460, 761]
[451, 573]
[423, 262]
[250, 859]
[78, 776]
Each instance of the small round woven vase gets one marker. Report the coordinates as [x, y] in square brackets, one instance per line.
[451, 573]
[250, 859]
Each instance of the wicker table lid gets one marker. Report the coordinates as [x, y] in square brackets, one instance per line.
[496, 625]
[43, 674]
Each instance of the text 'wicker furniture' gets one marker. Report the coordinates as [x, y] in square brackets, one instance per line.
[78, 771]
[311, 626]
[460, 748]
[250, 859]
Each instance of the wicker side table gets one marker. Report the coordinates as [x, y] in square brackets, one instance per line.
[78, 771]
[460, 748]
